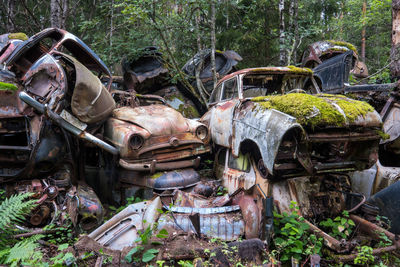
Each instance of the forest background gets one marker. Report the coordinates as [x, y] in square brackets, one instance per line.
[263, 32]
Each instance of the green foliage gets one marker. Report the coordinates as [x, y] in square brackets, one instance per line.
[340, 227]
[140, 253]
[60, 259]
[381, 77]
[364, 255]
[14, 210]
[129, 201]
[24, 252]
[8, 86]
[62, 234]
[292, 238]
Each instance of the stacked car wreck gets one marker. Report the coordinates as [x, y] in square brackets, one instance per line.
[58, 116]
[75, 142]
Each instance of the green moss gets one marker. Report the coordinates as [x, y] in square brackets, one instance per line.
[156, 175]
[313, 110]
[188, 111]
[300, 70]
[345, 44]
[8, 86]
[18, 35]
[383, 135]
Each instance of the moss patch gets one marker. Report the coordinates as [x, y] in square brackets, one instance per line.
[295, 69]
[18, 35]
[188, 111]
[8, 87]
[156, 175]
[316, 110]
[383, 135]
[345, 44]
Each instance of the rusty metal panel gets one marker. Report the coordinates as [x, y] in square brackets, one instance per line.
[227, 227]
[90, 102]
[122, 229]
[156, 119]
[202, 211]
[391, 126]
[46, 79]
[266, 128]
[235, 179]
[221, 121]
[363, 181]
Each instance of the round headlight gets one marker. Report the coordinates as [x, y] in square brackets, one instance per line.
[136, 141]
[202, 132]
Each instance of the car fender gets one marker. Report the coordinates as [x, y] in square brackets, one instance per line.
[266, 128]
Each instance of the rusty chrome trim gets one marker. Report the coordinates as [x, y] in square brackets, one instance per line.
[159, 166]
[168, 145]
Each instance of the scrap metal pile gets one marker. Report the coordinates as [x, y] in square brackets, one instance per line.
[77, 139]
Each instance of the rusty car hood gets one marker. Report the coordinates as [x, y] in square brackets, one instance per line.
[322, 110]
[156, 119]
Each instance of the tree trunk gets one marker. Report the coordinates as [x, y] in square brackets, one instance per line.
[59, 13]
[364, 13]
[10, 16]
[199, 83]
[64, 13]
[55, 13]
[292, 21]
[111, 28]
[395, 51]
[282, 49]
[296, 30]
[214, 70]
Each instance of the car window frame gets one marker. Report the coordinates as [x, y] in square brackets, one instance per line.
[223, 89]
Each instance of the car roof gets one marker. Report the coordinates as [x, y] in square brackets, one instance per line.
[270, 70]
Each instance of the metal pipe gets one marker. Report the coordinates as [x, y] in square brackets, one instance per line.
[329, 241]
[65, 124]
[372, 229]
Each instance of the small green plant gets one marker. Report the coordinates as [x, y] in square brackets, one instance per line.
[143, 239]
[129, 201]
[292, 238]
[61, 258]
[364, 255]
[221, 191]
[185, 263]
[61, 234]
[340, 227]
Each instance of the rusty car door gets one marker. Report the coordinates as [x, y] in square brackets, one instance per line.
[222, 112]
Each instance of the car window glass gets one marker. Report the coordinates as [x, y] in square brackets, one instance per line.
[241, 163]
[215, 94]
[261, 85]
[230, 89]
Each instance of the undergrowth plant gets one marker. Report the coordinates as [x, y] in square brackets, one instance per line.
[340, 227]
[141, 255]
[292, 238]
[13, 210]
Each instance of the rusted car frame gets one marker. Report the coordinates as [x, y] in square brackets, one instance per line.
[239, 123]
[319, 52]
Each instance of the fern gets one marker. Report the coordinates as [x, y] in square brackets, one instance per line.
[14, 210]
[25, 252]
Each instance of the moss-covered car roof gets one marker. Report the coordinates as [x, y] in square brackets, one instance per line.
[313, 110]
